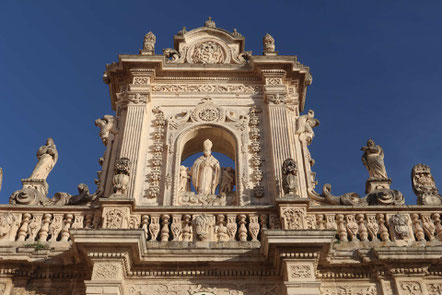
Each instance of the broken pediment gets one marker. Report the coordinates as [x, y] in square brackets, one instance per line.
[207, 45]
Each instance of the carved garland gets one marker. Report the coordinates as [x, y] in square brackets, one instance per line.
[153, 191]
[255, 147]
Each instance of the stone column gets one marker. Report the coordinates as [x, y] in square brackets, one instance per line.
[281, 148]
[135, 103]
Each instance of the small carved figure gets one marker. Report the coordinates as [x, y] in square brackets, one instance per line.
[149, 44]
[184, 179]
[268, 43]
[83, 197]
[227, 180]
[209, 23]
[47, 157]
[108, 126]
[206, 171]
[424, 186]
[373, 160]
[289, 172]
[305, 125]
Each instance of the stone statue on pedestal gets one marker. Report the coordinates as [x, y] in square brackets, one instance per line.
[47, 157]
[373, 160]
[206, 171]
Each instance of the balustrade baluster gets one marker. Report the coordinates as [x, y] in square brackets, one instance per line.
[363, 234]
[383, 230]
[417, 227]
[165, 228]
[67, 225]
[242, 232]
[144, 225]
[428, 226]
[342, 231]
[221, 231]
[23, 231]
[187, 228]
[44, 232]
[438, 225]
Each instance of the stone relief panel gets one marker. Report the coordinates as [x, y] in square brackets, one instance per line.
[434, 288]
[207, 288]
[356, 289]
[107, 271]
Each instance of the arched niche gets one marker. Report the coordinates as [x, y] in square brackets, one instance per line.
[190, 141]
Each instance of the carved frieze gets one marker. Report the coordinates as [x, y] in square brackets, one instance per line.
[207, 88]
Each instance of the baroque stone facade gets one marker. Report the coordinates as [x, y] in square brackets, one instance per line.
[159, 225]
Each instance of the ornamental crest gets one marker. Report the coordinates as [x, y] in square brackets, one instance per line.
[207, 111]
[207, 52]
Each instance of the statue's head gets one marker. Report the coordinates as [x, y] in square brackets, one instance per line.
[49, 141]
[207, 148]
[370, 143]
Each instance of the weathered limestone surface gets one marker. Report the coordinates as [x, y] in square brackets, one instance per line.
[157, 225]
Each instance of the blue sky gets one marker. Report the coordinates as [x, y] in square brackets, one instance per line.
[376, 66]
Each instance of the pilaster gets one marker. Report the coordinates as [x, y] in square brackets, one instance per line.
[275, 92]
[135, 102]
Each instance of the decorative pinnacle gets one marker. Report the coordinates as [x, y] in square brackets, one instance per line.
[210, 23]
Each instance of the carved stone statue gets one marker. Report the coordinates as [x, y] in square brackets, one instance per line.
[206, 171]
[268, 44]
[108, 126]
[149, 44]
[373, 160]
[184, 179]
[424, 186]
[289, 172]
[305, 125]
[47, 157]
[227, 180]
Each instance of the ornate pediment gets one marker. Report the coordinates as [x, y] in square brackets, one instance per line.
[207, 45]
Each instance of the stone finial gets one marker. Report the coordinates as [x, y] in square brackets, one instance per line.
[182, 31]
[424, 186]
[209, 23]
[149, 44]
[269, 45]
[121, 177]
[236, 33]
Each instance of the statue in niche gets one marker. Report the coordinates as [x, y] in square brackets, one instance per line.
[305, 125]
[47, 157]
[184, 179]
[373, 160]
[227, 180]
[289, 173]
[206, 171]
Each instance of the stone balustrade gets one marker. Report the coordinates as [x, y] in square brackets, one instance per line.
[405, 224]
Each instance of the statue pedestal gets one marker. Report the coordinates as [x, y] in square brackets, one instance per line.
[373, 184]
[38, 184]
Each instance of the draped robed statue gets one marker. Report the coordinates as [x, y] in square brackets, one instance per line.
[206, 171]
[373, 160]
[47, 156]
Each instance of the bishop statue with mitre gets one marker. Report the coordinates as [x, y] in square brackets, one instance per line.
[206, 171]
